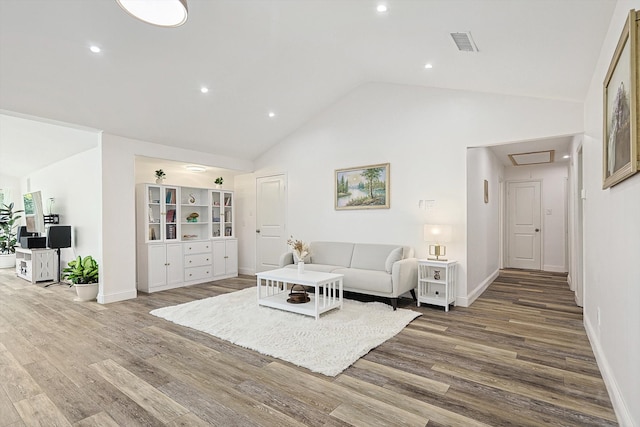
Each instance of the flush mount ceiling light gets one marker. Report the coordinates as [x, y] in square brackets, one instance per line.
[271, 114]
[196, 168]
[95, 49]
[428, 66]
[163, 13]
[381, 8]
[204, 89]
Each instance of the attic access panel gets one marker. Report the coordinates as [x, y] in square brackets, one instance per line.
[533, 158]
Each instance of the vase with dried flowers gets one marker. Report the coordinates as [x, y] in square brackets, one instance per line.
[300, 251]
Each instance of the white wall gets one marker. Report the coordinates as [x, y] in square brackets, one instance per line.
[118, 202]
[75, 187]
[612, 251]
[483, 221]
[553, 198]
[10, 185]
[423, 133]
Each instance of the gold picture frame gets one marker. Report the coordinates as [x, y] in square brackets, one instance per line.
[362, 187]
[620, 145]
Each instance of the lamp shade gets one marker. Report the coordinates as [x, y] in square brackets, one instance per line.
[437, 233]
[164, 13]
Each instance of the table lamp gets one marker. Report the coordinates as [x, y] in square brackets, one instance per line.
[437, 234]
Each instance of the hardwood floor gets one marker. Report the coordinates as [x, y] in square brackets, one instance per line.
[518, 356]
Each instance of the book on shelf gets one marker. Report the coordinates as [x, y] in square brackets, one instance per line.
[171, 232]
[171, 215]
[171, 197]
[227, 201]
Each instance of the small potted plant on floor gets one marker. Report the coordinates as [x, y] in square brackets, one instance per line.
[83, 274]
[8, 235]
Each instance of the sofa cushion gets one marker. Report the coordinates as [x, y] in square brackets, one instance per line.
[371, 256]
[365, 280]
[331, 253]
[394, 255]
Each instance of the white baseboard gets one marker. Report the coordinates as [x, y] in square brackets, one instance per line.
[247, 271]
[554, 268]
[570, 282]
[121, 296]
[619, 406]
[466, 301]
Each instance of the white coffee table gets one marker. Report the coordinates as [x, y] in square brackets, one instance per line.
[274, 287]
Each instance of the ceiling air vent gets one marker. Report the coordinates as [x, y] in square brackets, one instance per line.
[465, 42]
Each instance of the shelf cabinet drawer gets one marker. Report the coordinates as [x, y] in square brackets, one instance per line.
[197, 247]
[197, 260]
[197, 273]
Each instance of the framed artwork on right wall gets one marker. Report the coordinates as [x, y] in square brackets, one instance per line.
[620, 139]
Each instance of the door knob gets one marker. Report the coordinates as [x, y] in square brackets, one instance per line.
[537, 229]
[257, 231]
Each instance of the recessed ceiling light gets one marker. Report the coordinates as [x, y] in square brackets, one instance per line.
[95, 49]
[566, 156]
[204, 89]
[271, 114]
[196, 168]
[382, 8]
[428, 66]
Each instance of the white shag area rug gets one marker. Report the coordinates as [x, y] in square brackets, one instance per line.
[328, 345]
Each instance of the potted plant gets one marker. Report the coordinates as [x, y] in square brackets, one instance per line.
[160, 176]
[83, 274]
[8, 235]
[219, 180]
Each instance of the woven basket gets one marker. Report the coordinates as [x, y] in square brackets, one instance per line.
[299, 295]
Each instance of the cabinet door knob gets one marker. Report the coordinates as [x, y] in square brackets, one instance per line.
[189, 261]
[207, 259]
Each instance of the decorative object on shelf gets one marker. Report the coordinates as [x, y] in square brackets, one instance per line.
[300, 267]
[160, 176]
[8, 235]
[218, 182]
[437, 234]
[620, 140]
[161, 13]
[193, 217]
[83, 274]
[299, 248]
[362, 187]
[189, 236]
[297, 296]
[52, 202]
[192, 199]
[436, 274]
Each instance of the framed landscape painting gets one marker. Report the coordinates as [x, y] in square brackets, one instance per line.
[620, 139]
[362, 187]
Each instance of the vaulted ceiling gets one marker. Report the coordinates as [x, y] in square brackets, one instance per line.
[291, 58]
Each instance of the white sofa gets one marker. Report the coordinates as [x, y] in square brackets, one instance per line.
[374, 269]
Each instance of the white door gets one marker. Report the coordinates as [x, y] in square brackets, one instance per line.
[231, 253]
[157, 266]
[175, 263]
[219, 254]
[524, 225]
[271, 208]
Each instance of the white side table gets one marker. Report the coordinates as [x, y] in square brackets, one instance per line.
[437, 282]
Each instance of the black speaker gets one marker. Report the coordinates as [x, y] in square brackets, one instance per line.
[59, 236]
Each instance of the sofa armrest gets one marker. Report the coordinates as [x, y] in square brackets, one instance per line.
[404, 276]
[285, 259]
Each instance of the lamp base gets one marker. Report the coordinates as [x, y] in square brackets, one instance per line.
[437, 251]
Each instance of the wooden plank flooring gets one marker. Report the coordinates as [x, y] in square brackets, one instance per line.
[519, 356]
